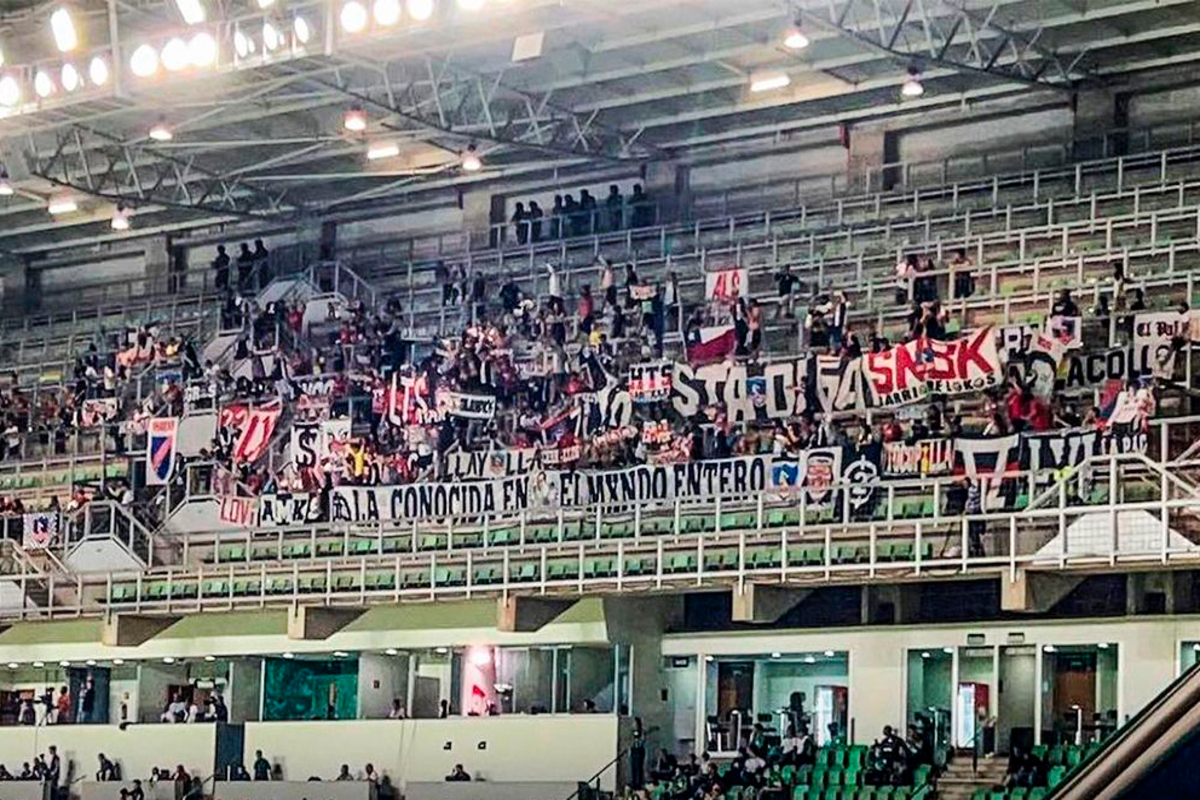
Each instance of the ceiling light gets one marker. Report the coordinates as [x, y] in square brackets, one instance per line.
[120, 220]
[62, 203]
[270, 36]
[795, 39]
[470, 5]
[10, 91]
[202, 50]
[420, 10]
[98, 71]
[925, 654]
[289, 655]
[210, 659]
[1103, 645]
[12, 665]
[161, 132]
[40, 664]
[192, 11]
[470, 161]
[242, 44]
[118, 662]
[303, 32]
[91, 662]
[69, 77]
[767, 81]
[829, 654]
[64, 663]
[354, 16]
[340, 654]
[810, 659]
[709, 659]
[913, 86]
[1048, 648]
[175, 55]
[776, 655]
[168, 659]
[63, 28]
[441, 651]
[387, 12]
[144, 61]
[265, 4]
[391, 651]
[948, 651]
[6, 187]
[379, 150]
[43, 84]
[355, 120]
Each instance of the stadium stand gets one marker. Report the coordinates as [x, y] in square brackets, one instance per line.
[667, 459]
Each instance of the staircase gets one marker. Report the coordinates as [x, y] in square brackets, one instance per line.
[960, 782]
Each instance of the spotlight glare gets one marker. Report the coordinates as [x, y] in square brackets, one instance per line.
[175, 55]
[767, 81]
[301, 29]
[202, 50]
[270, 37]
[242, 44]
[160, 132]
[471, 161]
[10, 91]
[63, 28]
[420, 10]
[378, 150]
[355, 120]
[471, 5]
[913, 86]
[43, 84]
[795, 39]
[354, 16]
[387, 12]
[192, 11]
[98, 71]
[144, 61]
[120, 220]
[69, 77]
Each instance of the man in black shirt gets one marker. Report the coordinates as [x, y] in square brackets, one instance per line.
[458, 775]
[220, 265]
[262, 767]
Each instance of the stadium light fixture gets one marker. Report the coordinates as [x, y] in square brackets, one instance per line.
[925, 654]
[192, 11]
[202, 50]
[302, 30]
[270, 36]
[355, 120]
[10, 91]
[168, 659]
[69, 77]
[91, 662]
[175, 55]
[98, 71]
[386, 12]
[120, 219]
[63, 28]
[353, 16]
[161, 132]
[242, 45]
[776, 655]
[769, 81]
[117, 662]
[829, 654]
[64, 663]
[39, 664]
[340, 654]
[43, 84]
[796, 38]
[210, 659]
[391, 651]
[378, 150]
[912, 86]
[420, 10]
[441, 651]
[289, 655]
[62, 203]
[143, 62]
[6, 187]
[471, 161]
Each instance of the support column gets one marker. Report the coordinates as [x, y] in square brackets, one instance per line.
[319, 622]
[528, 614]
[1035, 592]
[1096, 113]
[477, 208]
[316, 240]
[761, 604]
[669, 186]
[158, 264]
[133, 630]
[20, 287]
[865, 156]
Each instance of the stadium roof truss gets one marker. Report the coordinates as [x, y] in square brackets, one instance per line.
[615, 83]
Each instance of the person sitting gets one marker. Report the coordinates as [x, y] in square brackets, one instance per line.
[108, 770]
[137, 793]
[344, 775]
[458, 775]
[665, 769]
[5, 775]
[397, 710]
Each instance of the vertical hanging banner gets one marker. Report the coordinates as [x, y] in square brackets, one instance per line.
[161, 436]
[822, 468]
[251, 429]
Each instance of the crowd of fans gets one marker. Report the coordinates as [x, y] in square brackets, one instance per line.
[571, 217]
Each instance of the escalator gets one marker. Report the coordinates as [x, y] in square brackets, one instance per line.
[1152, 757]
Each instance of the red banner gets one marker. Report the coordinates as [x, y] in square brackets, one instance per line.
[253, 428]
[909, 372]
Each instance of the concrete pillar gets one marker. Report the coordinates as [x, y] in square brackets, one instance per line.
[158, 264]
[477, 214]
[1034, 592]
[897, 604]
[865, 157]
[669, 187]
[1096, 115]
[315, 623]
[20, 287]
[133, 630]
[528, 614]
[316, 240]
[762, 604]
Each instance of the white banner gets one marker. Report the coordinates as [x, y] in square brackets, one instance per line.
[727, 285]
[490, 465]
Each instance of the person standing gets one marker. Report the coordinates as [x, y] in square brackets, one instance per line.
[262, 767]
[220, 266]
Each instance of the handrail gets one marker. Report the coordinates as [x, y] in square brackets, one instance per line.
[638, 738]
[1138, 745]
